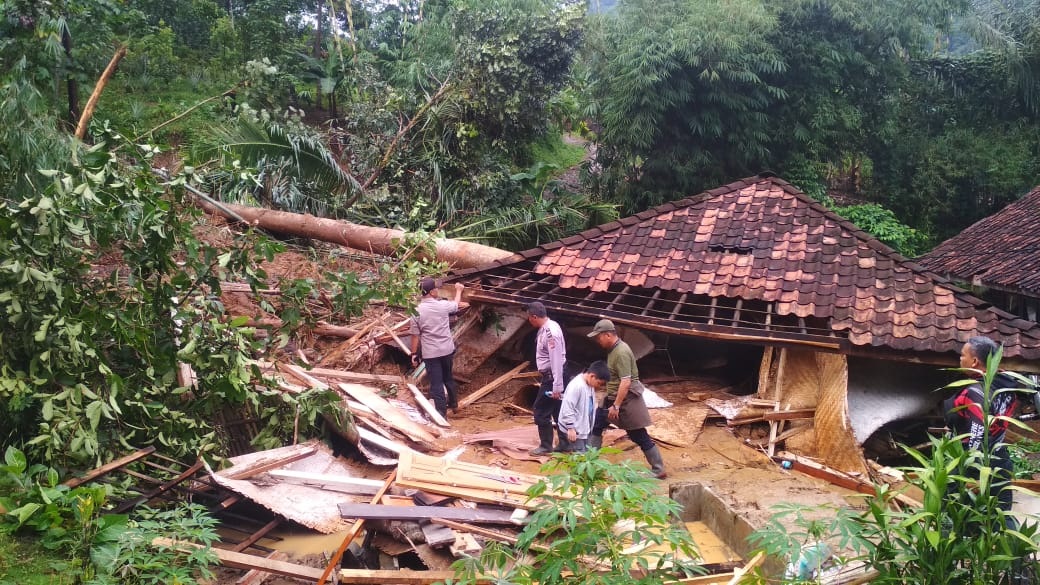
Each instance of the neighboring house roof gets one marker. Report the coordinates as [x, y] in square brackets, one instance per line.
[1001, 250]
[755, 260]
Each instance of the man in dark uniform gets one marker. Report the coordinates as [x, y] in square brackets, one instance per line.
[623, 404]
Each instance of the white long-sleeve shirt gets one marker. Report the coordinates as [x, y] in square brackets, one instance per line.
[550, 352]
[578, 407]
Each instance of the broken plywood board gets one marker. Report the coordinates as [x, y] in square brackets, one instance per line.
[678, 425]
[481, 343]
[390, 414]
[312, 507]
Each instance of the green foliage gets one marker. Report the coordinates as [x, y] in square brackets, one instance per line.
[958, 535]
[882, 224]
[23, 561]
[294, 169]
[101, 548]
[511, 57]
[597, 515]
[1025, 454]
[683, 94]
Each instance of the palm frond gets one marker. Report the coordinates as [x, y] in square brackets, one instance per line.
[305, 157]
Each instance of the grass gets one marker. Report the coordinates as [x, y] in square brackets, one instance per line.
[24, 562]
[553, 150]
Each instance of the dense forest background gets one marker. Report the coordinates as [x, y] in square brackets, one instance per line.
[509, 122]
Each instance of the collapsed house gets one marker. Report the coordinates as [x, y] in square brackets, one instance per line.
[998, 257]
[826, 319]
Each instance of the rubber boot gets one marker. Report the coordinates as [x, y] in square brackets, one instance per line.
[545, 441]
[653, 457]
[594, 441]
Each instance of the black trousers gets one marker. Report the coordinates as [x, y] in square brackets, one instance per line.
[640, 437]
[441, 380]
[546, 408]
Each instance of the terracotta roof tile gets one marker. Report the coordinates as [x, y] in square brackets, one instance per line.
[761, 238]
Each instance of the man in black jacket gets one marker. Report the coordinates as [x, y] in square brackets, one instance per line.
[964, 415]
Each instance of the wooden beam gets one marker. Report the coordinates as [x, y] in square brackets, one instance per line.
[678, 305]
[711, 310]
[653, 300]
[269, 462]
[618, 297]
[400, 577]
[736, 312]
[257, 535]
[492, 386]
[351, 510]
[346, 376]
[390, 414]
[801, 413]
[381, 442]
[256, 576]
[353, 485]
[108, 467]
[230, 558]
[353, 532]
[429, 408]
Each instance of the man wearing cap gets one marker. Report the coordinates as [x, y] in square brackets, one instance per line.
[623, 404]
[550, 355]
[432, 329]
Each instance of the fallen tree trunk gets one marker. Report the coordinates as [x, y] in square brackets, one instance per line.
[384, 241]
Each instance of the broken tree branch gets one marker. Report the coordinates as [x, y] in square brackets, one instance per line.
[88, 111]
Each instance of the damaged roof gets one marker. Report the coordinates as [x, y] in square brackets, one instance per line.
[1001, 250]
[755, 260]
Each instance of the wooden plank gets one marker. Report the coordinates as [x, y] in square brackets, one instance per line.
[304, 376]
[801, 413]
[820, 471]
[390, 414]
[401, 577]
[267, 463]
[353, 532]
[437, 536]
[425, 404]
[108, 467]
[257, 535]
[387, 444]
[239, 560]
[481, 531]
[256, 576]
[502, 498]
[350, 510]
[755, 561]
[346, 376]
[493, 385]
[351, 485]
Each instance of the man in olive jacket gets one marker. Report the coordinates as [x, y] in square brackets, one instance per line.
[623, 404]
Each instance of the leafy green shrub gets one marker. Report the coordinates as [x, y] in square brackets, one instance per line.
[590, 532]
[883, 225]
[103, 548]
[959, 535]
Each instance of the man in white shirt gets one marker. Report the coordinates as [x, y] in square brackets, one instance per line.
[550, 356]
[578, 407]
